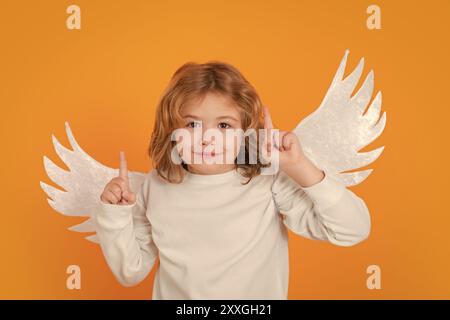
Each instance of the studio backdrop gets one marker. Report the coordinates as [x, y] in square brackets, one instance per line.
[81, 80]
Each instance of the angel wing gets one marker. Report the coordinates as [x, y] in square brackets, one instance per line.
[84, 183]
[333, 134]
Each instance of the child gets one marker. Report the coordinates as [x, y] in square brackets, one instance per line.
[220, 229]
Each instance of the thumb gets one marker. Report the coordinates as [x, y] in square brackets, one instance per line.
[128, 197]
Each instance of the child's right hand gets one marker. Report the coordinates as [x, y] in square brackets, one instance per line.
[118, 190]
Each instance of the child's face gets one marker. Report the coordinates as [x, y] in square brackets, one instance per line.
[214, 136]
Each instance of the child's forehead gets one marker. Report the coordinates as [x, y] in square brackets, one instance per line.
[210, 105]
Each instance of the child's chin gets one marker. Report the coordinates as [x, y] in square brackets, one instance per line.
[216, 159]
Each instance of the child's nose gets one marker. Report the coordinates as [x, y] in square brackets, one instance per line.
[210, 131]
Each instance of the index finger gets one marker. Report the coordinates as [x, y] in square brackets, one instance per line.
[267, 119]
[123, 170]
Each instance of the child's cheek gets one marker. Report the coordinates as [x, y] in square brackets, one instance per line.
[231, 147]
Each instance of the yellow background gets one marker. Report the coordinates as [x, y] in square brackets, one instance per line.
[106, 79]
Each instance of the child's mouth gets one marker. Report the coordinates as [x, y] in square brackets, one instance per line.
[207, 154]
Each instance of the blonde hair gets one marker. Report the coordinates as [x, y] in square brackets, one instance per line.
[192, 81]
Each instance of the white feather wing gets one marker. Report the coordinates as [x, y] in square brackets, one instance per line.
[333, 134]
[83, 184]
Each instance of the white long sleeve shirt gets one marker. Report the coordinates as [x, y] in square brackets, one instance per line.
[218, 239]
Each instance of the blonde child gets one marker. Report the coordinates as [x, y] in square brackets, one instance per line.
[219, 228]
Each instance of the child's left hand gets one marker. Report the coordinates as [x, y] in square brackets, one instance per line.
[285, 142]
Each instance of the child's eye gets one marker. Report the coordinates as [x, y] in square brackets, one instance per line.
[193, 124]
[224, 125]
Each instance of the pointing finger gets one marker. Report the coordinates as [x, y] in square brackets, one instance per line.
[267, 119]
[123, 170]
[268, 125]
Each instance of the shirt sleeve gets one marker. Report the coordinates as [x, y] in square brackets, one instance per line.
[325, 211]
[125, 237]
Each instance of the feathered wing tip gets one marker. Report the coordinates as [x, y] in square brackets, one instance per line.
[332, 135]
[82, 184]
[93, 238]
[339, 75]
